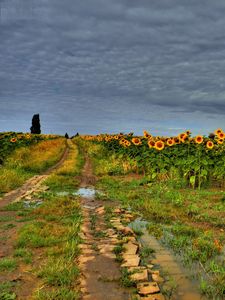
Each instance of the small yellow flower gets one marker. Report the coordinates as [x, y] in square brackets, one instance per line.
[159, 145]
[199, 139]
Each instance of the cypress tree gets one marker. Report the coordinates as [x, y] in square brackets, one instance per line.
[36, 127]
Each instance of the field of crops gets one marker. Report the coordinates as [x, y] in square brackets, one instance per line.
[198, 160]
[10, 141]
[173, 186]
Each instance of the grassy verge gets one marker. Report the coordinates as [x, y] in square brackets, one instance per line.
[28, 161]
[48, 242]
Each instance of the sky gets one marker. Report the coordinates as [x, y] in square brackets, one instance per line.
[97, 66]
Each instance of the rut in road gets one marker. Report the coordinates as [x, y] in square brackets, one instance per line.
[100, 271]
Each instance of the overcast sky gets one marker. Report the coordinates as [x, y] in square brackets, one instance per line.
[112, 65]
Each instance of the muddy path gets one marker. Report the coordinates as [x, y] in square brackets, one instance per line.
[32, 183]
[100, 273]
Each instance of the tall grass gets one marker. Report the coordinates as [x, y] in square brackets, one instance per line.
[27, 161]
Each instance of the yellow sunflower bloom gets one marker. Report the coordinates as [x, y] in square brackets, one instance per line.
[221, 135]
[209, 144]
[136, 141]
[151, 143]
[220, 141]
[218, 130]
[199, 139]
[13, 140]
[159, 145]
[170, 142]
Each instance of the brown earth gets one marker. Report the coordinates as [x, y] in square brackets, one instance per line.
[100, 278]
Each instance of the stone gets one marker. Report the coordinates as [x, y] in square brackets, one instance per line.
[132, 260]
[117, 211]
[100, 210]
[146, 288]
[139, 273]
[152, 297]
[150, 266]
[157, 278]
[130, 248]
[127, 231]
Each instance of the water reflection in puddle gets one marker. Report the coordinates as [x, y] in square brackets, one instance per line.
[187, 288]
[33, 204]
[83, 192]
[86, 192]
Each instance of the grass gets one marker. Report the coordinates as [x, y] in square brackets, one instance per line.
[59, 272]
[7, 264]
[57, 294]
[27, 161]
[50, 236]
[189, 221]
[6, 290]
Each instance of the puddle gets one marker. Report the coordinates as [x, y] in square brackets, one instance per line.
[32, 204]
[168, 263]
[82, 192]
[86, 192]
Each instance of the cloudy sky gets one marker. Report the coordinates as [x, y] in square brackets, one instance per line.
[112, 65]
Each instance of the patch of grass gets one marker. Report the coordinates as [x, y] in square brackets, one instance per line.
[59, 272]
[27, 161]
[8, 226]
[35, 235]
[25, 254]
[6, 218]
[125, 278]
[57, 294]
[7, 264]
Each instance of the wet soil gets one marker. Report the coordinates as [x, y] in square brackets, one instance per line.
[100, 278]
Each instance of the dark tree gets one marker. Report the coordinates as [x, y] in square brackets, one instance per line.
[36, 127]
[66, 136]
[77, 134]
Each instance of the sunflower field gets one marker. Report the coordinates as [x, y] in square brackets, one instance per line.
[10, 141]
[197, 160]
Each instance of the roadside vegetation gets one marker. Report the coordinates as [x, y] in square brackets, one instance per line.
[187, 218]
[47, 241]
[28, 160]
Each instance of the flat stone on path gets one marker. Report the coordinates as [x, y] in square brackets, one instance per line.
[146, 288]
[152, 297]
[130, 248]
[140, 273]
[131, 260]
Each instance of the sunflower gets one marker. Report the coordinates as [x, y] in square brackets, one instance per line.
[188, 132]
[198, 139]
[13, 140]
[209, 144]
[170, 142]
[220, 141]
[136, 141]
[221, 135]
[218, 130]
[151, 143]
[159, 145]
[182, 137]
[146, 134]
[127, 143]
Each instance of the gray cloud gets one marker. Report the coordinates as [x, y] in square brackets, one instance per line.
[103, 65]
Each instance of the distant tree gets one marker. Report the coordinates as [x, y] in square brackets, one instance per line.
[212, 136]
[36, 127]
[66, 136]
[77, 134]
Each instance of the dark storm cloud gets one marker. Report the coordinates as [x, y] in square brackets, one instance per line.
[112, 65]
